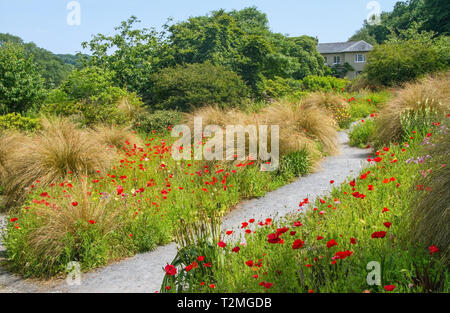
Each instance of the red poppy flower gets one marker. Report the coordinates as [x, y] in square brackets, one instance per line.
[249, 263]
[268, 285]
[385, 210]
[119, 190]
[379, 234]
[74, 203]
[170, 270]
[387, 224]
[188, 268]
[340, 255]
[298, 224]
[433, 249]
[319, 237]
[331, 243]
[236, 249]
[297, 244]
[274, 238]
[14, 219]
[221, 244]
[353, 241]
[212, 286]
[282, 230]
[201, 258]
[389, 287]
[91, 222]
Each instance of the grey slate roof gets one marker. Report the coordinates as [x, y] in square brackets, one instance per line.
[340, 47]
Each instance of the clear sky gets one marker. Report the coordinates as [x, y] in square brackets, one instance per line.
[44, 22]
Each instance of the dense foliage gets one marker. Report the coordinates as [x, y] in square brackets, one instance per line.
[186, 87]
[90, 96]
[431, 15]
[408, 56]
[21, 85]
[238, 40]
[50, 66]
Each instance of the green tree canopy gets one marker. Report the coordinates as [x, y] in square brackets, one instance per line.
[51, 67]
[21, 85]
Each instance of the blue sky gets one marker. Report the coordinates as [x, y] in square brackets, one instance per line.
[44, 22]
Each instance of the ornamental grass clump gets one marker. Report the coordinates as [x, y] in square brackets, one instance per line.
[57, 150]
[413, 108]
[430, 215]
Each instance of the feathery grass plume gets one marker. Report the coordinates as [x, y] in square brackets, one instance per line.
[8, 142]
[326, 100]
[131, 107]
[72, 228]
[430, 216]
[49, 155]
[417, 101]
[301, 126]
[115, 136]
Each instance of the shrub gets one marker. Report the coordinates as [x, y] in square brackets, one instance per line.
[361, 133]
[280, 87]
[402, 60]
[59, 148]
[15, 121]
[323, 83]
[413, 109]
[158, 120]
[89, 97]
[194, 85]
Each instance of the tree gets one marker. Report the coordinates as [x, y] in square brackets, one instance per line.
[132, 54]
[21, 86]
[52, 68]
[430, 15]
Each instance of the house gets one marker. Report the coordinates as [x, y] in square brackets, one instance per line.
[352, 52]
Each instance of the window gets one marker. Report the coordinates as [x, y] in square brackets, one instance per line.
[326, 60]
[360, 58]
[358, 73]
[337, 60]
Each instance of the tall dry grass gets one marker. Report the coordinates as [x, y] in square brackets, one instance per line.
[302, 126]
[431, 94]
[49, 155]
[48, 241]
[327, 100]
[431, 215]
[115, 136]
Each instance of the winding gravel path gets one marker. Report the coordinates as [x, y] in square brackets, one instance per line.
[143, 272]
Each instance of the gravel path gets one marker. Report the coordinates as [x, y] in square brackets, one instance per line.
[143, 272]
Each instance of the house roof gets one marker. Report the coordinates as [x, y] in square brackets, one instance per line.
[340, 47]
